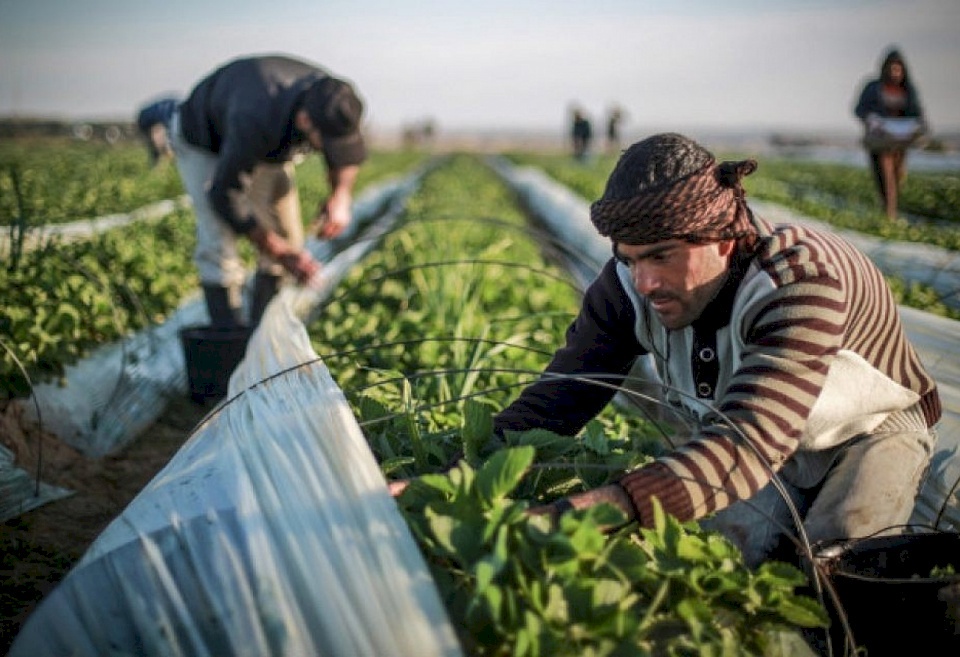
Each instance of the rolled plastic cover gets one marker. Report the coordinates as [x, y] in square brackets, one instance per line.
[270, 532]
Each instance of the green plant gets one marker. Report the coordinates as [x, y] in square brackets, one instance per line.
[514, 585]
[429, 337]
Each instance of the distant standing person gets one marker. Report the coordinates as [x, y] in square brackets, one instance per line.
[581, 134]
[614, 119]
[235, 137]
[890, 96]
[153, 121]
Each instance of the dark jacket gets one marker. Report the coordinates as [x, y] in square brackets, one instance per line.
[871, 99]
[871, 102]
[244, 112]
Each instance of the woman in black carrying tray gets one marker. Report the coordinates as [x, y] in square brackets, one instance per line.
[890, 109]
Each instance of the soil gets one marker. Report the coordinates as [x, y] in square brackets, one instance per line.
[38, 548]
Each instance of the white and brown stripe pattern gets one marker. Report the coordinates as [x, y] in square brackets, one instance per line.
[827, 300]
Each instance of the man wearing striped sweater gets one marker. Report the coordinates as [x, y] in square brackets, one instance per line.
[780, 344]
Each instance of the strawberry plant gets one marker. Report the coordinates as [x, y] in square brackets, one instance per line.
[520, 586]
[63, 180]
[61, 300]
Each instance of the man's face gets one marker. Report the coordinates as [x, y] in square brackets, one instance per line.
[302, 122]
[678, 278]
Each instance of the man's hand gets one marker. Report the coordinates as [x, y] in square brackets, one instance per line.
[398, 486]
[333, 215]
[611, 494]
[333, 218]
[875, 124]
[300, 263]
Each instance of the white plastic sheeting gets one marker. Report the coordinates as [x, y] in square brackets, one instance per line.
[935, 338]
[119, 390]
[111, 396]
[19, 492]
[86, 228]
[270, 532]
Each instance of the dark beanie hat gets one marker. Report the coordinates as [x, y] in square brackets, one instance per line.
[335, 110]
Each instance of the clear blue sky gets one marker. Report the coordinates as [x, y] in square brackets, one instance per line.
[763, 64]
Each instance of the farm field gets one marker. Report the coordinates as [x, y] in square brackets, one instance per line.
[435, 327]
[94, 305]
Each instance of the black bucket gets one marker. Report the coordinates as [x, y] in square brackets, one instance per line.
[900, 594]
[211, 354]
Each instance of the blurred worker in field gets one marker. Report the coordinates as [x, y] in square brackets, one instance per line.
[581, 133]
[235, 137]
[890, 96]
[614, 121]
[779, 346]
[153, 122]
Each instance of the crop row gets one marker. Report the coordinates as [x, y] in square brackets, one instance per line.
[61, 300]
[432, 334]
[53, 181]
[429, 336]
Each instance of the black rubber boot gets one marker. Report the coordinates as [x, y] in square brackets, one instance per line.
[265, 287]
[223, 305]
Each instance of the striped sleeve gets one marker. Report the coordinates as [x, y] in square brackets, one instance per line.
[828, 297]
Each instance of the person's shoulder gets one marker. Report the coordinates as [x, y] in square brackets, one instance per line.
[794, 252]
[608, 286]
[870, 87]
[786, 236]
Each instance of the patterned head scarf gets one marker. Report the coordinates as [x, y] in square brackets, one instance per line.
[705, 206]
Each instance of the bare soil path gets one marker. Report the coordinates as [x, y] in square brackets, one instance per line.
[38, 548]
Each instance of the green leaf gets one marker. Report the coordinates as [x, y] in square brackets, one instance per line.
[477, 427]
[442, 527]
[804, 612]
[781, 574]
[557, 609]
[485, 571]
[528, 638]
[549, 445]
[609, 592]
[502, 472]
[391, 465]
[439, 482]
[372, 409]
[491, 565]
[595, 439]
